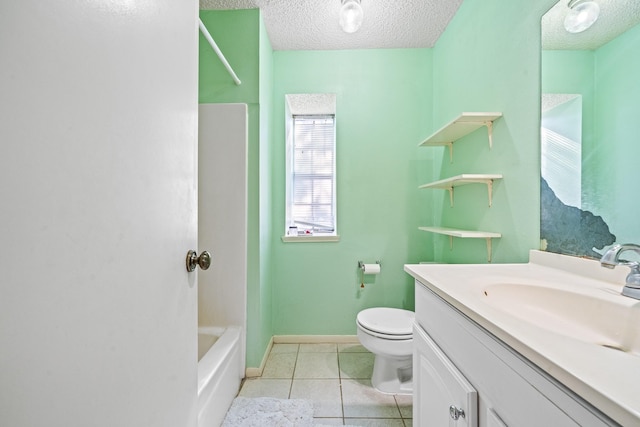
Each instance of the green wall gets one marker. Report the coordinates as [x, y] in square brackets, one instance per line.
[488, 59]
[237, 34]
[241, 36]
[383, 101]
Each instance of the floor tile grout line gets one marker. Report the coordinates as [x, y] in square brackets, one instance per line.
[340, 383]
[395, 399]
[293, 372]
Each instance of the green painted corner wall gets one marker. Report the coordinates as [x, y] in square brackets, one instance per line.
[383, 108]
[237, 34]
[242, 38]
[488, 59]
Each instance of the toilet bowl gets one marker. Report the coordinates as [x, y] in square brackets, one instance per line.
[387, 333]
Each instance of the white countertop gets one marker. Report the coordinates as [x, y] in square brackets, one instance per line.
[608, 379]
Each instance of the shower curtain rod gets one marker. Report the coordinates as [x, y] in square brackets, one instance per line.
[215, 47]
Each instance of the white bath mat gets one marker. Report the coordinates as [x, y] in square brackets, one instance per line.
[270, 412]
[267, 412]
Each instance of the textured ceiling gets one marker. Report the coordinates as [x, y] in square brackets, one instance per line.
[313, 24]
[616, 16]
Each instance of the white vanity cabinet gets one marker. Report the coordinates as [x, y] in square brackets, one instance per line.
[458, 364]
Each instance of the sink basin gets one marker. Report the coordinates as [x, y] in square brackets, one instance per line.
[601, 317]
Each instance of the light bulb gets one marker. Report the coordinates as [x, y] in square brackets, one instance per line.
[581, 17]
[351, 16]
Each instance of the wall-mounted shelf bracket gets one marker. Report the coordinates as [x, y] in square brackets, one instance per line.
[490, 191]
[489, 250]
[489, 126]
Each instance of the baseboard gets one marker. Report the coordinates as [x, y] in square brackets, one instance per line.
[315, 339]
[257, 372]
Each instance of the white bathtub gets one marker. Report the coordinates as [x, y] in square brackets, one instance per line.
[220, 370]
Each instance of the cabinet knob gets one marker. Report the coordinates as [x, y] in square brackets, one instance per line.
[456, 412]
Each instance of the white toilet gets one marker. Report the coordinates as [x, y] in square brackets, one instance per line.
[387, 333]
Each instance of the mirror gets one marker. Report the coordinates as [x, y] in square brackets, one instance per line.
[590, 130]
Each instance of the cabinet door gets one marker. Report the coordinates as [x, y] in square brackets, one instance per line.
[442, 395]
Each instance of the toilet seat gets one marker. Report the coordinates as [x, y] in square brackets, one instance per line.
[387, 323]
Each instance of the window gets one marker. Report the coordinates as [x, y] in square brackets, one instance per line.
[311, 172]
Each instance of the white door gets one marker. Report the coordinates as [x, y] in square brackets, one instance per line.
[98, 187]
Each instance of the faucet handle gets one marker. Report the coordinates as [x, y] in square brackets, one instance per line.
[633, 278]
[611, 258]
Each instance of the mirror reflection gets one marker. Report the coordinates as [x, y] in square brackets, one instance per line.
[590, 128]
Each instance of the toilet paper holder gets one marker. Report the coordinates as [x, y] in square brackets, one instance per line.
[364, 270]
[361, 265]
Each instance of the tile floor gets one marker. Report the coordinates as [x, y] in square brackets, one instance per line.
[337, 378]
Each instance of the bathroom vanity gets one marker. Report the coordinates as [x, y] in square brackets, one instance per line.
[547, 343]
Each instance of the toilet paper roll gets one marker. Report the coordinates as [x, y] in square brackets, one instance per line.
[371, 269]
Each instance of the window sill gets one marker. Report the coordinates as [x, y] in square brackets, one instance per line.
[310, 239]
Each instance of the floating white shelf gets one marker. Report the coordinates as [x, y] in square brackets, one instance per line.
[461, 126]
[456, 181]
[465, 234]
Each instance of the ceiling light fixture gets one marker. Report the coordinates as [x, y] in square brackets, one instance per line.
[582, 15]
[350, 15]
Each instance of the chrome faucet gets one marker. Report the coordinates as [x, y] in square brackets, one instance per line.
[611, 258]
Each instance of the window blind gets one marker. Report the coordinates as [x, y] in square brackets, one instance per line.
[313, 173]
